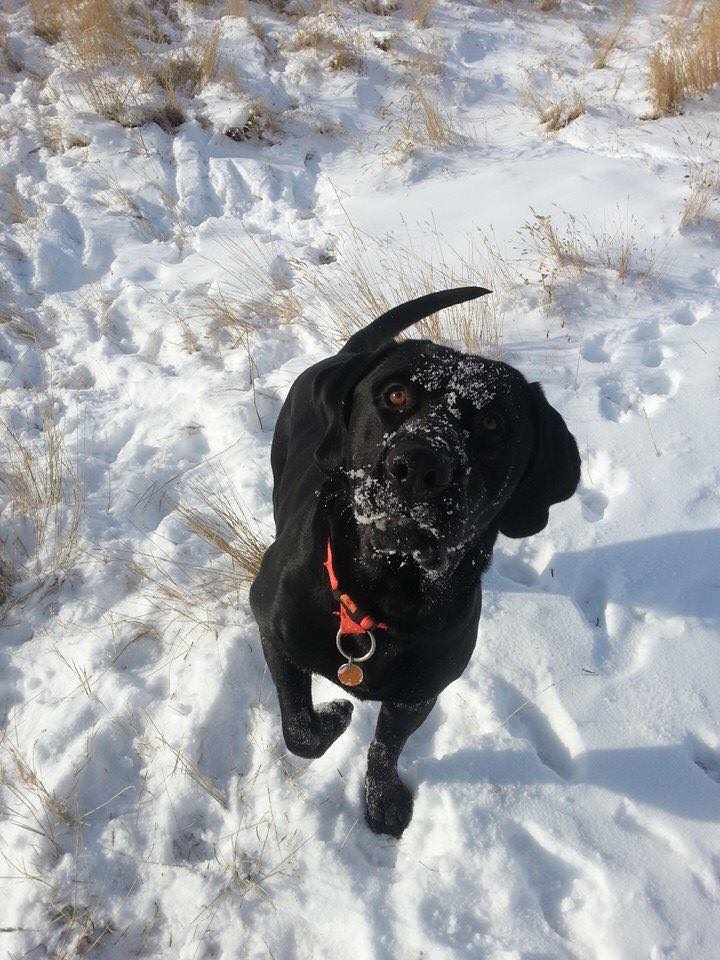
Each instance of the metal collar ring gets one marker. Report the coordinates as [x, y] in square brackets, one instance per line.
[365, 656]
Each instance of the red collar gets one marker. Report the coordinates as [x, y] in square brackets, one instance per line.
[352, 618]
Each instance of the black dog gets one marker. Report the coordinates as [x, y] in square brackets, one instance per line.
[395, 466]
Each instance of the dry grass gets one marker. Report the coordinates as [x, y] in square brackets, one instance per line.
[381, 8]
[424, 121]
[114, 50]
[553, 114]
[9, 63]
[371, 276]
[44, 499]
[117, 199]
[32, 806]
[703, 176]
[20, 323]
[419, 11]
[687, 62]
[229, 318]
[578, 247]
[609, 41]
[222, 520]
[340, 48]
[53, 826]
[79, 931]
[47, 18]
[248, 860]
[98, 33]
[190, 71]
[681, 8]
[102, 49]
[258, 289]
[193, 771]
[53, 806]
[362, 278]
[183, 594]
[427, 60]
[261, 124]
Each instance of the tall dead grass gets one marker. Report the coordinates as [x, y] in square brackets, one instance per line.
[335, 44]
[188, 72]
[115, 51]
[43, 496]
[360, 279]
[47, 18]
[687, 62]
[257, 289]
[579, 246]
[23, 323]
[554, 113]
[608, 42]
[419, 11]
[214, 511]
[373, 275]
[703, 178]
[424, 120]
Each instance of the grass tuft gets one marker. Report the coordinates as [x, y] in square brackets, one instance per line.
[687, 62]
[419, 11]
[189, 72]
[703, 177]
[553, 114]
[44, 499]
[221, 520]
[332, 42]
[608, 42]
[424, 121]
[372, 275]
[579, 247]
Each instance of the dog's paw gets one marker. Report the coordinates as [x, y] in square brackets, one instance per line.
[388, 805]
[310, 736]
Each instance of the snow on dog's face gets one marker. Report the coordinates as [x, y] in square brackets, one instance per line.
[436, 442]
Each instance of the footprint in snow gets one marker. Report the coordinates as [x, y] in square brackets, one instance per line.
[604, 481]
[646, 330]
[527, 721]
[568, 889]
[512, 568]
[620, 399]
[593, 349]
[705, 757]
[652, 355]
[684, 316]
[594, 503]
[189, 844]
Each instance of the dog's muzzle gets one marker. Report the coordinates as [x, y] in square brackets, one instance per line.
[418, 471]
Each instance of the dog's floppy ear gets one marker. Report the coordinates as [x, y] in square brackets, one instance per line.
[332, 394]
[551, 476]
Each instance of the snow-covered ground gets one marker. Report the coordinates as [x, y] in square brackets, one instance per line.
[161, 288]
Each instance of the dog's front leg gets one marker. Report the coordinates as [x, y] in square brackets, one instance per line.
[308, 731]
[389, 803]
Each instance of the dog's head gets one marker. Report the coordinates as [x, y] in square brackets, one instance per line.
[439, 446]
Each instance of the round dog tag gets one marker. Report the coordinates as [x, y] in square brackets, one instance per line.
[350, 674]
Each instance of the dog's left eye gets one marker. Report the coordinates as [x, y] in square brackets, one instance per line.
[491, 424]
[398, 398]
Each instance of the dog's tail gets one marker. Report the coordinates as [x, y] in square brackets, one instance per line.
[390, 324]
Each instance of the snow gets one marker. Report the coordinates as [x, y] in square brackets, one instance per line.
[568, 785]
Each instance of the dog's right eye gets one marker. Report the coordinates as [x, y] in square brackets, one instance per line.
[397, 397]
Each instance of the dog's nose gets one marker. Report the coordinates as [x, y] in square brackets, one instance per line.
[418, 471]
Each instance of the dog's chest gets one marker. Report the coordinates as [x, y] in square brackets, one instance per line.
[403, 670]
